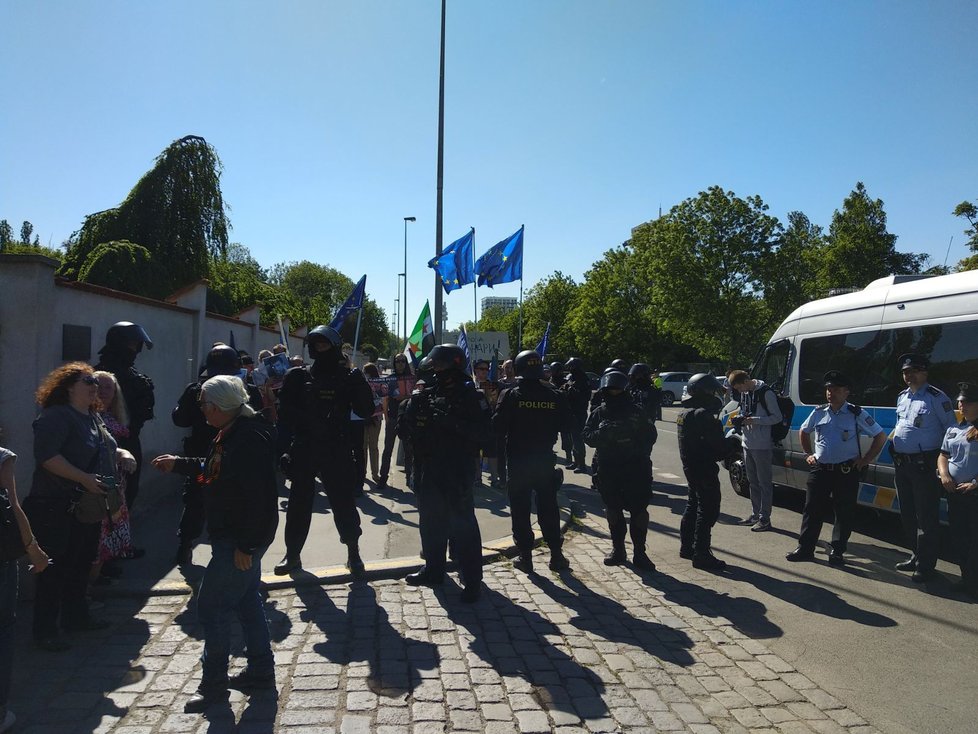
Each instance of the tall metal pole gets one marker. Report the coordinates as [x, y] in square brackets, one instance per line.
[440, 175]
[397, 311]
[404, 302]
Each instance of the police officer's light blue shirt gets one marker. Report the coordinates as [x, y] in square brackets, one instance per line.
[923, 418]
[835, 433]
[962, 454]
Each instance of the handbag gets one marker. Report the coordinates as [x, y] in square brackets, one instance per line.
[88, 507]
[11, 542]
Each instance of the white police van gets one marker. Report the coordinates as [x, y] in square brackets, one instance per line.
[862, 334]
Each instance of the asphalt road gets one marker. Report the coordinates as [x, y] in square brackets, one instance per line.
[901, 654]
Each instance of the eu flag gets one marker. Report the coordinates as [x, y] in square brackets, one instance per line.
[351, 305]
[454, 265]
[503, 262]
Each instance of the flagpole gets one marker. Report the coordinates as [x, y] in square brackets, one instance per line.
[523, 246]
[356, 336]
[440, 176]
[475, 287]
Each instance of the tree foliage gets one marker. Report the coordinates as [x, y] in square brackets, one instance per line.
[175, 211]
[550, 302]
[117, 264]
[969, 211]
[24, 246]
[6, 233]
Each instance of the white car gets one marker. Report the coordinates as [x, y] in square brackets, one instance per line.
[673, 386]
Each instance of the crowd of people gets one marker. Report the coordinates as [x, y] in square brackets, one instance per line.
[324, 420]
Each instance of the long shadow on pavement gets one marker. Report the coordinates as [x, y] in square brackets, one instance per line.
[514, 641]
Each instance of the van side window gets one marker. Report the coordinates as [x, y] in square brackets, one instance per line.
[773, 365]
[869, 359]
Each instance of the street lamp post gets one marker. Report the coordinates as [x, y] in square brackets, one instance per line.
[404, 309]
[399, 276]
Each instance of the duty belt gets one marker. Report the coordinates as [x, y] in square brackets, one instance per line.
[845, 467]
[922, 457]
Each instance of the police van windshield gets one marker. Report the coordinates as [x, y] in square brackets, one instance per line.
[869, 359]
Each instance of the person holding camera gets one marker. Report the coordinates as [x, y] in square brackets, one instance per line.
[758, 412]
[835, 467]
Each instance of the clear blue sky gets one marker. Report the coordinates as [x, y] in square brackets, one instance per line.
[576, 118]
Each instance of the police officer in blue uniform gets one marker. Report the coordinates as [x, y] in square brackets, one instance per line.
[834, 467]
[527, 420]
[958, 469]
[923, 415]
[448, 423]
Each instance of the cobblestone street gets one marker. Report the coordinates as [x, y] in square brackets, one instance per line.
[593, 650]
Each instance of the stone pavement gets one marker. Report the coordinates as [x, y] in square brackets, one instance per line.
[596, 649]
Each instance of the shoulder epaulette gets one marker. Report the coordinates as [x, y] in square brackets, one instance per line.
[823, 407]
[854, 409]
[935, 391]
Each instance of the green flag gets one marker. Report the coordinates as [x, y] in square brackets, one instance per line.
[422, 338]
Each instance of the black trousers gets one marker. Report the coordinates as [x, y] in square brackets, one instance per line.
[702, 508]
[524, 482]
[133, 445]
[72, 546]
[446, 510]
[625, 488]
[385, 461]
[827, 489]
[920, 490]
[338, 473]
[963, 519]
[192, 519]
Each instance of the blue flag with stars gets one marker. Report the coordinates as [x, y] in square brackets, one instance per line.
[454, 265]
[503, 262]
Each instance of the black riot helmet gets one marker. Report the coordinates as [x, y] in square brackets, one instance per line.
[609, 370]
[614, 380]
[557, 367]
[620, 365]
[445, 357]
[573, 364]
[122, 333]
[326, 334]
[640, 371]
[222, 360]
[529, 365]
[703, 384]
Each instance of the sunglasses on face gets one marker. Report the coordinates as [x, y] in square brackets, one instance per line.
[88, 380]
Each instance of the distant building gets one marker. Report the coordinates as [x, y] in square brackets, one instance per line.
[506, 303]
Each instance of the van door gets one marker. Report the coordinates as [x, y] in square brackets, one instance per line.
[772, 369]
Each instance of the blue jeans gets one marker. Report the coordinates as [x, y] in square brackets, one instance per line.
[225, 590]
[8, 614]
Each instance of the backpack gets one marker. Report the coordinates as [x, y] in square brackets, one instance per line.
[786, 405]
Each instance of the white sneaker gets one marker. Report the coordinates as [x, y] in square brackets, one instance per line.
[8, 721]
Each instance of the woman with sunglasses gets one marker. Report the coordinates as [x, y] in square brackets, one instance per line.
[73, 452]
[957, 467]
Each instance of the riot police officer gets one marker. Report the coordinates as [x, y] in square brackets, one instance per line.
[447, 421]
[557, 376]
[701, 446]
[648, 398]
[315, 405]
[620, 435]
[527, 420]
[221, 360]
[834, 467]
[123, 343]
[578, 389]
[923, 413]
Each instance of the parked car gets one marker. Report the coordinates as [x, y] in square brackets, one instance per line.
[673, 385]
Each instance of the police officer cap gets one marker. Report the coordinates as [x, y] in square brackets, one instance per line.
[620, 365]
[911, 361]
[223, 360]
[123, 332]
[834, 378]
[640, 369]
[574, 363]
[445, 357]
[614, 380]
[325, 333]
[703, 383]
[967, 392]
[528, 365]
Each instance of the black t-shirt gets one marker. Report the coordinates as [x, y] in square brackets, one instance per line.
[74, 435]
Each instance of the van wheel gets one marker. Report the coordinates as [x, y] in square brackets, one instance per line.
[738, 478]
[668, 398]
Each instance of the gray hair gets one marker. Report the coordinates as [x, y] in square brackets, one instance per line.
[228, 394]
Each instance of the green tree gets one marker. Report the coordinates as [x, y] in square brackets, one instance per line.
[859, 248]
[26, 230]
[117, 265]
[236, 282]
[969, 211]
[498, 319]
[788, 280]
[6, 233]
[550, 302]
[705, 263]
[176, 211]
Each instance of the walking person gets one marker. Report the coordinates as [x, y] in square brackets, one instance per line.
[958, 469]
[924, 414]
[835, 467]
[527, 420]
[371, 427]
[240, 504]
[758, 412]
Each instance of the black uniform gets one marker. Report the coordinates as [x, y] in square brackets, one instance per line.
[648, 398]
[578, 389]
[137, 389]
[527, 420]
[187, 414]
[315, 405]
[618, 432]
[701, 446]
[447, 424]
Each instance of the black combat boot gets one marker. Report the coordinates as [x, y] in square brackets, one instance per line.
[354, 562]
[618, 556]
[524, 562]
